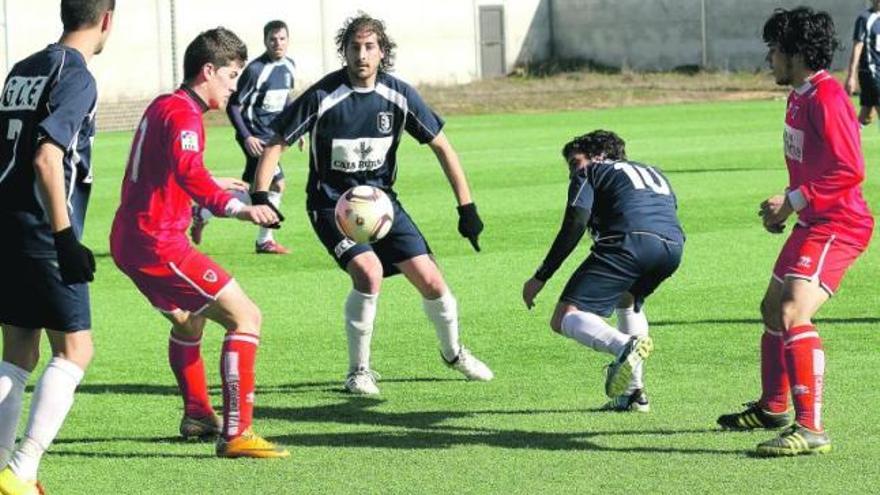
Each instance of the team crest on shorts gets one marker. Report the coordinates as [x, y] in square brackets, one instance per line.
[385, 122]
[210, 276]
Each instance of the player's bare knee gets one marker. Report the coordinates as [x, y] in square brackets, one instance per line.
[250, 320]
[278, 186]
[626, 300]
[366, 274]
[556, 319]
[76, 347]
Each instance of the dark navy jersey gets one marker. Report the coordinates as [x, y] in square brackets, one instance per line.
[263, 91]
[623, 197]
[867, 31]
[612, 199]
[354, 132]
[49, 96]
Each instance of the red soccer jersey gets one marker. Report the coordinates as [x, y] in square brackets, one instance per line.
[165, 172]
[824, 157]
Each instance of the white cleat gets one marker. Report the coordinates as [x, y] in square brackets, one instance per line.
[362, 381]
[469, 366]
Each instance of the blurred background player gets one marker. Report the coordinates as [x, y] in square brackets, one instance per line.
[264, 90]
[48, 114]
[825, 169]
[356, 117]
[864, 62]
[630, 209]
[148, 242]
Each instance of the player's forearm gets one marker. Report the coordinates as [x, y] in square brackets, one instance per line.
[854, 59]
[451, 165]
[574, 225]
[234, 113]
[266, 166]
[50, 177]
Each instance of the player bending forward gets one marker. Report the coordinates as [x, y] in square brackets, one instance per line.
[630, 210]
[148, 243]
[825, 171]
[356, 117]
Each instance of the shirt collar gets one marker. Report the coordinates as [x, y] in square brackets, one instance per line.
[195, 97]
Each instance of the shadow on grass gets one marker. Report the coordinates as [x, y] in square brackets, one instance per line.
[757, 321]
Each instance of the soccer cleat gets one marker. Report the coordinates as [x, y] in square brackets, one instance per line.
[752, 418]
[11, 484]
[198, 225]
[249, 444]
[636, 401]
[620, 371]
[205, 426]
[795, 440]
[362, 381]
[469, 366]
[271, 247]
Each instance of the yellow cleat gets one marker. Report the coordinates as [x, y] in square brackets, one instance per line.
[11, 484]
[249, 444]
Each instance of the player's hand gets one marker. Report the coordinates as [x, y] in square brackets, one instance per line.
[75, 261]
[262, 198]
[301, 143]
[531, 289]
[469, 224]
[850, 85]
[254, 146]
[774, 211]
[232, 184]
[262, 215]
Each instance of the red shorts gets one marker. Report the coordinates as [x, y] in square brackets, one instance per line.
[190, 283]
[812, 253]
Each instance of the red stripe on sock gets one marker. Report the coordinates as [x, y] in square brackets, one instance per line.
[185, 358]
[237, 370]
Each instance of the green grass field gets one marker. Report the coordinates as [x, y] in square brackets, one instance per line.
[536, 428]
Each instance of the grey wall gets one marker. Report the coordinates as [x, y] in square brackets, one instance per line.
[664, 34]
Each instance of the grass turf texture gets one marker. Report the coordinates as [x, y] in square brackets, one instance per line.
[536, 428]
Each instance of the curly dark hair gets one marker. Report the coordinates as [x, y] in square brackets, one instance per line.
[803, 31]
[597, 144]
[363, 22]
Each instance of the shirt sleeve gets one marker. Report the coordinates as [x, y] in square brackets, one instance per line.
[70, 101]
[233, 111]
[421, 122]
[860, 29]
[574, 225]
[187, 151]
[846, 169]
[295, 121]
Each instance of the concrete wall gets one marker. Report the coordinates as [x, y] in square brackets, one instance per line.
[664, 34]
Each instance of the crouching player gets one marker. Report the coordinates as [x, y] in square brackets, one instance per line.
[631, 212]
[149, 244]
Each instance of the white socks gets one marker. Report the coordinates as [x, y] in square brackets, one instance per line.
[633, 323]
[52, 400]
[443, 313]
[12, 382]
[360, 313]
[592, 331]
[265, 234]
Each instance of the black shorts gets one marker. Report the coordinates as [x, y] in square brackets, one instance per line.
[636, 263]
[250, 166]
[35, 297]
[404, 241]
[869, 90]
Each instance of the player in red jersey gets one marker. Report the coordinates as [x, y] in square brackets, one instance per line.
[826, 169]
[149, 244]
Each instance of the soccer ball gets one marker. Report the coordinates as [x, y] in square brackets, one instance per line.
[364, 214]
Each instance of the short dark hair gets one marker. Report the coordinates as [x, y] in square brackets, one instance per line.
[77, 14]
[597, 144]
[803, 31]
[273, 26]
[363, 22]
[218, 46]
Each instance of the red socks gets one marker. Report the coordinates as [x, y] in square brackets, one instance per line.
[805, 364]
[185, 358]
[774, 379]
[237, 370]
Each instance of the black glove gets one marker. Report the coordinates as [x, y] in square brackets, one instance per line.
[469, 224]
[262, 198]
[75, 261]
